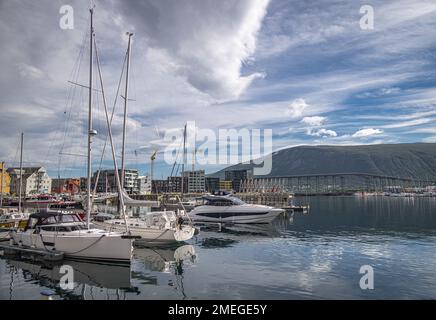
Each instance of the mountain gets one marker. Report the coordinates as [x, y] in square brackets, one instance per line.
[411, 160]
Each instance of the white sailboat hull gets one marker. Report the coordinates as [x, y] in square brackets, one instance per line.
[151, 235]
[101, 246]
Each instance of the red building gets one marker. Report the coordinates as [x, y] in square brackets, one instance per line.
[70, 186]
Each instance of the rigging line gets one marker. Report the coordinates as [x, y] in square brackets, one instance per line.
[74, 70]
[16, 152]
[117, 176]
[72, 94]
[177, 157]
[112, 116]
[74, 77]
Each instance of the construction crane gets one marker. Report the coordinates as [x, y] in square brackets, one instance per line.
[152, 158]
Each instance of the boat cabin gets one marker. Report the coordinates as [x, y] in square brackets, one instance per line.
[55, 221]
[221, 201]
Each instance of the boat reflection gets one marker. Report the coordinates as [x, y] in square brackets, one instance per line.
[166, 260]
[214, 235]
[163, 266]
[86, 275]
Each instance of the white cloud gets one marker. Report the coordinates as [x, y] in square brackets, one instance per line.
[325, 133]
[314, 121]
[30, 72]
[297, 107]
[367, 132]
[410, 123]
[380, 92]
[209, 42]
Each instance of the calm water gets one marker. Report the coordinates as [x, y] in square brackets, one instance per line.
[312, 256]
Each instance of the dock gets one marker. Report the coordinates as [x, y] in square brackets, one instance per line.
[12, 249]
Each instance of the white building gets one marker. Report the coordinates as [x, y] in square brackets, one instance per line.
[35, 181]
[107, 181]
[143, 185]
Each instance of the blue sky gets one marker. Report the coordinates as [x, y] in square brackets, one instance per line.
[304, 69]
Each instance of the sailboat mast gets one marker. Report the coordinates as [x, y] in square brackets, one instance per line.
[184, 160]
[20, 187]
[2, 181]
[90, 130]
[126, 99]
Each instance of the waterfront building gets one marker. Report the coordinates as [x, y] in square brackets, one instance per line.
[175, 184]
[194, 181]
[212, 184]
[143, 185]
[35, 181]
[226, 185]
[159, 186]
[68, 185]
[107, 181]
[6, 179]
[236, 177]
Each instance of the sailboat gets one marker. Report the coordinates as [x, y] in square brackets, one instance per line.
[67, 232]
[160, 227]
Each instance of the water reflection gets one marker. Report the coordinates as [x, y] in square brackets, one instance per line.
[165, 260]
[374, 212]
[96, 281]
[215, 235]
[314, 255]
[162, 267]
[90, 276]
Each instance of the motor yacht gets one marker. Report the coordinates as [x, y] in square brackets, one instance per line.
[230, 209]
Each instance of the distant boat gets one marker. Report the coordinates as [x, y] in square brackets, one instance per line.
[41, 201]
[11, 219]
[229, 209]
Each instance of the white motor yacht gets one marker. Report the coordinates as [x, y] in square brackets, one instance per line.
[68, 233]
[160, 227]
[229, 209]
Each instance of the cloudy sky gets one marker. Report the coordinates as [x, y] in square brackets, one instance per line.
[305, 69]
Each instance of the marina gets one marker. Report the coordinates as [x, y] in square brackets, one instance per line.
[236, 150]
[304, 256]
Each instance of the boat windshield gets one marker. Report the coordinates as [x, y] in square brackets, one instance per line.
[61, 228]
[62, 218]
[223, 202]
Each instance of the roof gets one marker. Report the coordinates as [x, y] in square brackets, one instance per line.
[26, 171]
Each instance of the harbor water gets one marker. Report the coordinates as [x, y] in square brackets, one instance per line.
[317, 255]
